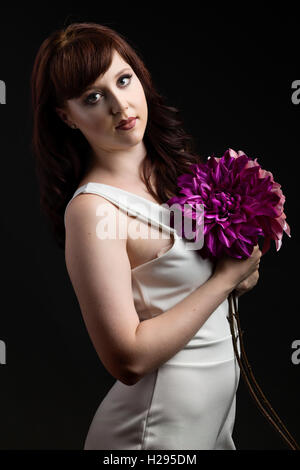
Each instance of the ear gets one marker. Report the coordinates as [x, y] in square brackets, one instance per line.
[63, 115]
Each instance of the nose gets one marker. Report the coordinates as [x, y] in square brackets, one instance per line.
[118, 103]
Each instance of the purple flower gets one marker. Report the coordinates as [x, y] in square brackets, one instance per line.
[241, 202]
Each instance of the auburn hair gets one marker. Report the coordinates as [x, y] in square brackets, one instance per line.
[67, 62]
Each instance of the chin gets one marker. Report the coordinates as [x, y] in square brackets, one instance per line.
[134, 138]
[133, 142]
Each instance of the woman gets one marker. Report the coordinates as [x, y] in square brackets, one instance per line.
[155, 310]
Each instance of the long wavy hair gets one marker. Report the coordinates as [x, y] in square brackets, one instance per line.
[67, 62]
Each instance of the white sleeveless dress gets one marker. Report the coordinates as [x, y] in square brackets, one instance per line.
[189, 401]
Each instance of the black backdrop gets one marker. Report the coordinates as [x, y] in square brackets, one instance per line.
[230, 73]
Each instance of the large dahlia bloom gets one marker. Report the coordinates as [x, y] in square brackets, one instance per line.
[241, 202]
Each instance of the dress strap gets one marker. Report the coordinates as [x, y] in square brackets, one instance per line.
[145, 210]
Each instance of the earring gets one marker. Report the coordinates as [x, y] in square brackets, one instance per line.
[73, 126]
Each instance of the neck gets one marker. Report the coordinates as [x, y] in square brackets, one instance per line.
[124, 165]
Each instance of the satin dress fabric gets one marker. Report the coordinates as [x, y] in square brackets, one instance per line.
[189, 402]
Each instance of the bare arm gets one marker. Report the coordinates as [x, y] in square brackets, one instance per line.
[100, 273]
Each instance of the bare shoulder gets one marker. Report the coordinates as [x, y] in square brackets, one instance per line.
[92, 223]
[96, 216]
[86, 205]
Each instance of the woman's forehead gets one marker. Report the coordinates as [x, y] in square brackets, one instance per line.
[117, 61]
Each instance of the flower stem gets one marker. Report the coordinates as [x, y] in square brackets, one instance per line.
[248, 376]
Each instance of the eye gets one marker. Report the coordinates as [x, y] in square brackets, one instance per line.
[87, 100]
[127, 76]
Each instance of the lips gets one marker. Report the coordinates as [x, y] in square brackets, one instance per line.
[127, 124]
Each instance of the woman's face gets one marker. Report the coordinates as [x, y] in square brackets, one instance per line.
[117, 95]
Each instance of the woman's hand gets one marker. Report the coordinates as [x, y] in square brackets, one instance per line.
[247, 284]
[233, 272]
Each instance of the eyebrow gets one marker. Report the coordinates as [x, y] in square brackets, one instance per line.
[95, 86]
